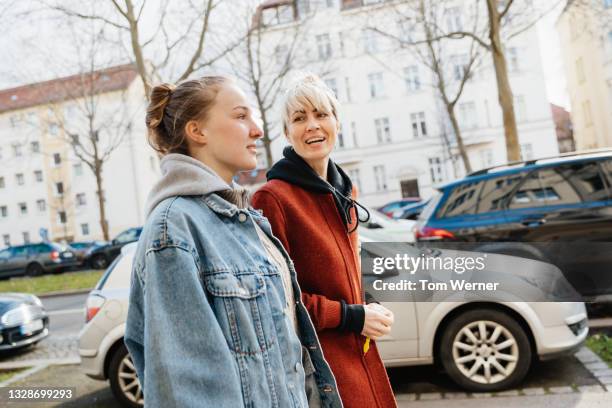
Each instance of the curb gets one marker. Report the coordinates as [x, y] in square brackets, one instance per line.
[25, 374]
[587, 358]
[11, 365]
[64, 293]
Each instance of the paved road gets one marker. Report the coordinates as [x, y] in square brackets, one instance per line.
[66, 314]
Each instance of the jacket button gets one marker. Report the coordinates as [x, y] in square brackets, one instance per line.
[242, 217]
[297, 366]
[327, 388]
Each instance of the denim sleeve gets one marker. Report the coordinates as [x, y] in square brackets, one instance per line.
[179, 348]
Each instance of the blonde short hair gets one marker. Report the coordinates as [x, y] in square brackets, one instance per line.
[308, 91]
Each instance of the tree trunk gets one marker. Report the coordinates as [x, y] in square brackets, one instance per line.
[101, 203]
[450, 109]
[137, 49]
[506, 102]
[267, 142]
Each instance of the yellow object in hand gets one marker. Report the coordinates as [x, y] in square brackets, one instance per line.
[366, 345]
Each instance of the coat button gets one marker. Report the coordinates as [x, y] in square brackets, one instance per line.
[297, 366]
[327, 388]
[242, 217]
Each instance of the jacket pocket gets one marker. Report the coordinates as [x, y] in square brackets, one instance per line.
[242, 310]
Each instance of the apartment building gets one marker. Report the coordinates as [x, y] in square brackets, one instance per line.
[585, 31]
[396, 139]
[46, 189]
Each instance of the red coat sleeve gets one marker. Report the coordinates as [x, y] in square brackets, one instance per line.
[325, 313]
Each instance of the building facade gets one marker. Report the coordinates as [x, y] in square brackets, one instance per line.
[47, 187]
[396, 139]
[585, 30]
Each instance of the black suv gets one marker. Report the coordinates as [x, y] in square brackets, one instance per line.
[558, 210]
[100, 256]
[36, 259]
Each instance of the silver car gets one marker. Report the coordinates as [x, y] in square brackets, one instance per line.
[481, 346]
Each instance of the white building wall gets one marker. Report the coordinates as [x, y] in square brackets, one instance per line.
[406, 157]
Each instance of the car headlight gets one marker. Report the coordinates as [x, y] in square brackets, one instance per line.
[15, 316]
[35, 300]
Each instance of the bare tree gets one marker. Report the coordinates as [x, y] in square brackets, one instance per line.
[451, 72]
[183, 33]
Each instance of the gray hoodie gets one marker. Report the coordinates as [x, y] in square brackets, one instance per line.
[185, 176]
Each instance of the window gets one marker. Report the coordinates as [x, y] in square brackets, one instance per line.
[580, 71]
[496, 191]
[419, 127]
[486, 157]
[459, 63]
[59, 188]
[35, 147]
[61, 217]
[7, 240]
[370, 41]
[577, 182]
[377, 89]
[85, 229]
[20, 179]
[607, 3]
[380, 178]
[38, 176]
[57, 159]
[53, 129]
[2, 185]
[586, 111]
[80, 199]
[355, 178]
[526, 151]
[519, 108]
[340, 139]
[453, 19]
[512, 59]
[461, 201]
[406, 29]
[467, 115]
[17, 150]
[128, 236]
[341, 42]
[3, 211]
[23, 208]
[354, 132]
[41, 205]
[383, 131]
[78, 169]
[411, 75]
[331, 84]
[26, 237]
[435, 169]
[280, 54]
[324, 46]
[347, 87]
[283, 14]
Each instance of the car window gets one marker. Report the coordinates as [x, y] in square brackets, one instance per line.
[5, 254]
[496, 192]
[462, 200]
[530, 193]
[583, 181]
[606, 167]
[128, 236]
[19, 251]
[39, 249]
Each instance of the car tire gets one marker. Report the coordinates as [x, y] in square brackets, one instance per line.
[123, 379]
[34, 269]
[99, 261]
[476, 364]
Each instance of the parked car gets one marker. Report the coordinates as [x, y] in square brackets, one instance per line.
[100, 256]
[411, 212]
[384, 229]
[565, 202]
[81, 248]
[423, 333]
[396, 205]
[36, 259]
[23, 321]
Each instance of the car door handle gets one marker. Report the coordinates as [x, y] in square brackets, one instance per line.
[534, 222]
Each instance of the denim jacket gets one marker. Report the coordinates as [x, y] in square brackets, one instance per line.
[207, 323]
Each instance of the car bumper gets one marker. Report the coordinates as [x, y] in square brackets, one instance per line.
[13, 339]
[560, 340]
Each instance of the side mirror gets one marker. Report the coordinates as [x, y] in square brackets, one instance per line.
[374, 225]
[114, 242]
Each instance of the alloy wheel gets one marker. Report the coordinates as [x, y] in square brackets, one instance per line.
[128, 381]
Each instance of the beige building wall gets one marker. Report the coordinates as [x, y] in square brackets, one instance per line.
[585, 31]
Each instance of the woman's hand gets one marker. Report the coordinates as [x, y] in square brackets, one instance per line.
[378, 321]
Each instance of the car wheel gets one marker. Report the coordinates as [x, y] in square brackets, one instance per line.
[99, 261]
[485, 350]
[124, 380]
[34, 269]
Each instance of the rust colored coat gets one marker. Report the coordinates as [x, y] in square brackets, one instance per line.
[327, 264]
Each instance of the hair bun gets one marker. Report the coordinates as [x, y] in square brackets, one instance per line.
[160, 97]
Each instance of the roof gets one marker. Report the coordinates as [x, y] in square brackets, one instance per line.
[70, 87]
